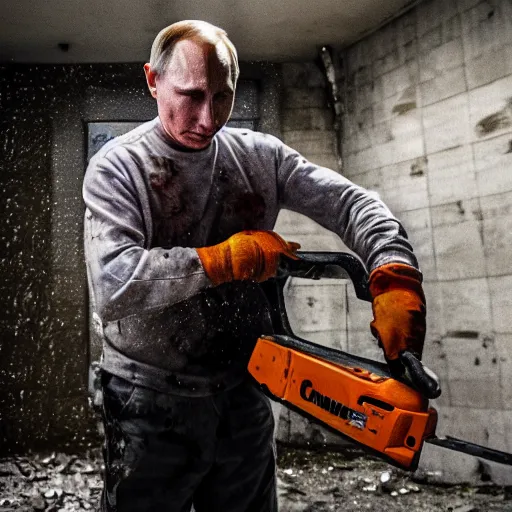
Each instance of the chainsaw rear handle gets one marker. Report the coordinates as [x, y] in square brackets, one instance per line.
[340, 265]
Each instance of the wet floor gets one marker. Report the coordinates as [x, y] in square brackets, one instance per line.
[309, 481]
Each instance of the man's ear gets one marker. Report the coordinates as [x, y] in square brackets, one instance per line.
[150, 79]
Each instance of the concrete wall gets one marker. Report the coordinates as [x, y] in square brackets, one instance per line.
[44, 351]
[428, 125]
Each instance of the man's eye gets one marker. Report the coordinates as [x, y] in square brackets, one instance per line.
[195, 95]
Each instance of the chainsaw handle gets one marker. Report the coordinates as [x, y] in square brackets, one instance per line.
[410, 369]
[315, 265]
[338, 265]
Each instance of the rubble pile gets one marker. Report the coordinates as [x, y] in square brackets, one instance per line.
[308, 481]
[57, 482]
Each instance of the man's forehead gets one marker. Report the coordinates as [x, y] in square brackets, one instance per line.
[195, 62]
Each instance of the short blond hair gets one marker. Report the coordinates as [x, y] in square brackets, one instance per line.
[201, 31]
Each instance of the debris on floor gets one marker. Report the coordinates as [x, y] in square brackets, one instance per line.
[57, 482]
[308, 481]
[313, 481]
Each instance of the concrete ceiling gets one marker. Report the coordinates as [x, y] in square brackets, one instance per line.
[123, 30]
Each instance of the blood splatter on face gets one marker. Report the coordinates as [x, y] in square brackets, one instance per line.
[195, 94]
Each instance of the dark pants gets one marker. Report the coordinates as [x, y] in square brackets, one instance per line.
[166, 453]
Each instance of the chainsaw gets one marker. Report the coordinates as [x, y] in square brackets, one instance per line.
[374, 404]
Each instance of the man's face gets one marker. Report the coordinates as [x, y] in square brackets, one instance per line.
[195, 94]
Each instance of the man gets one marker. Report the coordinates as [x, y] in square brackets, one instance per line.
[178, 240]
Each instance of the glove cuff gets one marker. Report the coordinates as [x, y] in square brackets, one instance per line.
[395, 276]
[216, 264]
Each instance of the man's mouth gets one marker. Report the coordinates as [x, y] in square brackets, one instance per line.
[199, 137]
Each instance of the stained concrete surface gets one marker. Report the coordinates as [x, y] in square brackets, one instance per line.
[308, 481]
[443, 168]
[122, 30]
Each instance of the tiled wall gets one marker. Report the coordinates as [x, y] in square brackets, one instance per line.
[428, 125]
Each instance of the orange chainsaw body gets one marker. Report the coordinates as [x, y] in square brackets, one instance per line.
[376, 411]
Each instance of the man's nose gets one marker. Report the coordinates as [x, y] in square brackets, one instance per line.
[207, 117]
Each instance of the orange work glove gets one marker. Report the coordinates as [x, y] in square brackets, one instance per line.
[248, 255]
[398, 309]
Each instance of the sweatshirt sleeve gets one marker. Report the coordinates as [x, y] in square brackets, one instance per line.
[125, 277]
[356, 215]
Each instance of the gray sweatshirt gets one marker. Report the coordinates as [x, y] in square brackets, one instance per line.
[149, 205]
